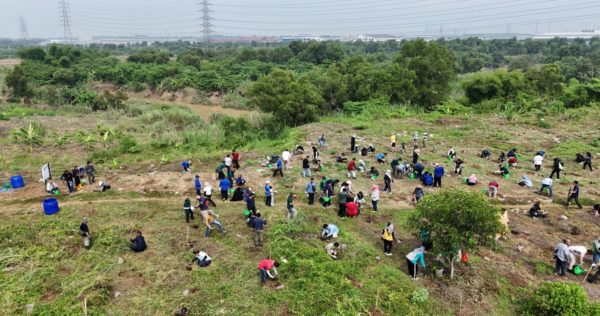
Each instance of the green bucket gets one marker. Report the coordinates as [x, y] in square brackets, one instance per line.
[484, 191]
[373, 178]
[56, 193]
[507, 176]
[326, 199]
[449, 158]
[246, 213]
[231, 190]
[6, 185]
[465, 179]
[270, 166]
[411, 176]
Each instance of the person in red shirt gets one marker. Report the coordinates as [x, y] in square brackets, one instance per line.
[235, 159]
[351, 209]
[512, 161]
[493, 189]
[352, 168]
[267, 267]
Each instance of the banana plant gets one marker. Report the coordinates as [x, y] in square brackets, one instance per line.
[30, 136]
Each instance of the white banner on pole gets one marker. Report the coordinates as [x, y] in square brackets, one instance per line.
[46, 172]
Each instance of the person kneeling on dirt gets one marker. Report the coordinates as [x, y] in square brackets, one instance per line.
[51, 187]
[485, 154]
[329, 231]
[472, 179]
[185, 165]
[380, 157]
[525, 182]
[103, 186]
[202, 258]
[512, 162]
[138, 244]
[502, 170]
[458, 166]
[536, 211]
[267, 267]
[333, 249]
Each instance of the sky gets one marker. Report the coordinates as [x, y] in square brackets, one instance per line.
[286, 17]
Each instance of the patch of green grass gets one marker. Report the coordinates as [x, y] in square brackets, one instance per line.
[542, 268]
[567, 150]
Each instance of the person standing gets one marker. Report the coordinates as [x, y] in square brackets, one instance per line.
[292, 212]
[84, 231]
[588, 161]
[353, 144]
[574, 195]
[315, 152]
[374, 197]
[387, 181]
[538, 160]
[415, 156]
[67, 177]
[424, 140]
[259, 230]
[342, 199]
[268, 194]
[224, 185]
[278, 167]
[352, 168]
[235, 158]
[418, 194]
[286, 156]
[415, 138]
[267, 267]
[228, 161]
[91, 172]
[310, 190]
[413, 258]
[393, 142]
[198, 185]
[557, 166]
[76, 178]
[596, 251]
[438, 173]
[188, 209]
[561, 255]
[306, 167]
[388, 237]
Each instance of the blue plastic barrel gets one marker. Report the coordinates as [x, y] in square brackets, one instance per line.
[50, 206]
[17, 182]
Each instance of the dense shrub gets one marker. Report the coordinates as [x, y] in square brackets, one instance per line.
[559, 298]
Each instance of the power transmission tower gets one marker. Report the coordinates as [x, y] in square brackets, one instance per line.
[65, 19]
[206, 25]
[24, 32]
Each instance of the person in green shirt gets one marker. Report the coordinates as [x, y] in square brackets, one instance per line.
[292, 212]
[187, 209]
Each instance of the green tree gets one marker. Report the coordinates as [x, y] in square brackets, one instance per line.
[433, 65]
[547, 80]
[33, 53]
[31, 136]
[456, 220]
[293, 101]
[18, 82]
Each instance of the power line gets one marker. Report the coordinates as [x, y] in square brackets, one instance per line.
[23, 27]
[65, 19]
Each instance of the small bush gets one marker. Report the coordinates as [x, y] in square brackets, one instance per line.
[419, 296]
[558, 298]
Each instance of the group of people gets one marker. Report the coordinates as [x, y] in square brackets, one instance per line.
[74, 180]
[570, 258]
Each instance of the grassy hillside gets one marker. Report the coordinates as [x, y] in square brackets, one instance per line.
[42, 260]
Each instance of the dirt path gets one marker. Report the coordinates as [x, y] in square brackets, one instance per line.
[10, 62]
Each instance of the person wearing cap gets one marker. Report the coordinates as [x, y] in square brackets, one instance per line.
[438, 173]
[413, 258]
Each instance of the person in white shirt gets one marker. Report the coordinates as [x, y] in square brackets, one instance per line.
[546, 183]
[202, 258]
[51, 187]
[227, 161]
[537, 162]
[207, 190]
[332, 249]
[286, 156]
[576, 251]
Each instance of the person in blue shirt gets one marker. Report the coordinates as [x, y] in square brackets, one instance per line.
[225, 185]
[259, 229]
[574, 195]
[427, 179]
[418, 168]
[278, 167]
[329, 231]
[380, 157]
[250, 203]
[512, 153]
[413, 259]
[310, 190]
[198, 185]
[438, 173]
[185, 165]
[239, 181]
[268, 194]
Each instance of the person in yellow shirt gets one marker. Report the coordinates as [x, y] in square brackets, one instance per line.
[388, 237]
[393, 142]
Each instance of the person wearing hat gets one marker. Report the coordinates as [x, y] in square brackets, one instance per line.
[388, 236]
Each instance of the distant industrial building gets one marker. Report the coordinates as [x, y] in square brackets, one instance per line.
[585, 34]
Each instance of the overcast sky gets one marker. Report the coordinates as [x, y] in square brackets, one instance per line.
[287, 17]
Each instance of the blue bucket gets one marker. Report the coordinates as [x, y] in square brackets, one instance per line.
[17, 182]
[51, 206]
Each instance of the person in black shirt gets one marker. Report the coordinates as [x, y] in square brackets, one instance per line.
[138, 244]
[67, 177]
[315, 152]
[84, 230]
[458, 166]
[557, 166]
[574, 194]
[588, 161]
[76, 178]
[306, 167]
[259, 230]
[536, 211]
